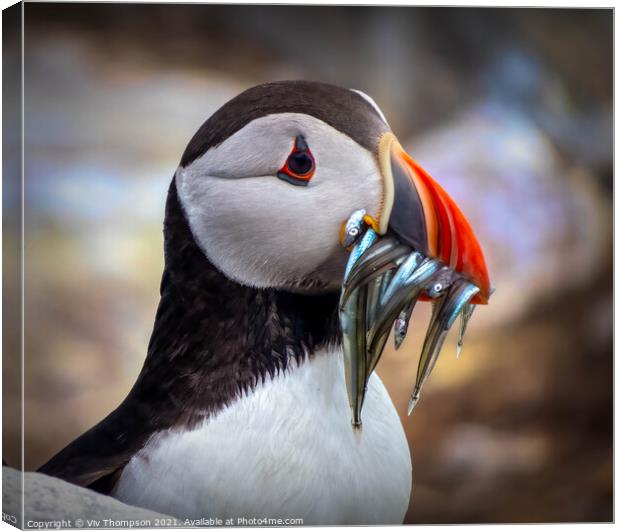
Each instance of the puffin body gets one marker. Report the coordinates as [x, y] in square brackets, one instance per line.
[241, 407]
[257, 459]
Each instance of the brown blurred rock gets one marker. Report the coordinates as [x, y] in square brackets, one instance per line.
[544, 223]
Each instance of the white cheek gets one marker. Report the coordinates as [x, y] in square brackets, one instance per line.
[254, 230]
[264, 232]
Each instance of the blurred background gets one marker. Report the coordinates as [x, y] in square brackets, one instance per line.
[509, 109]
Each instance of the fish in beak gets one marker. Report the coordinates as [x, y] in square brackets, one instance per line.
[421, 247]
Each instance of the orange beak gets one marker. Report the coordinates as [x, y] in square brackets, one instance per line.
[420, 213]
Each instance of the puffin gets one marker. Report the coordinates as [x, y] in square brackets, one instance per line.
[241, 409]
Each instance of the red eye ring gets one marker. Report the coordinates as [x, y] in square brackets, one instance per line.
[299, 166]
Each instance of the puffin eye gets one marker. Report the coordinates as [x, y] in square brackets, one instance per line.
[299, 163]
[299, 166]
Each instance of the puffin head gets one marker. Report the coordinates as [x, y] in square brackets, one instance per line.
[268, 181]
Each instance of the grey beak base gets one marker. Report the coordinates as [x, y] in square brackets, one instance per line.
[407, 220]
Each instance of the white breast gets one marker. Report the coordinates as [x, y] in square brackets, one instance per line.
[287, 450]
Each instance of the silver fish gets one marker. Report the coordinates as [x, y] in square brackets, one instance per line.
[369, 238]
[352, 321]
[375, 261]
[353, 228]
[382, 283]
[401, 325]
[404, 294]
[444, 314]
[466, 314]
[374, 299]
[441, 282]
[404, 272]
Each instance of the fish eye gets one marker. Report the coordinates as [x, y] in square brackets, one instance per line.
[299, 166]
[436, 289]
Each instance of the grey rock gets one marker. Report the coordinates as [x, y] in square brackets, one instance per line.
[64, 505]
